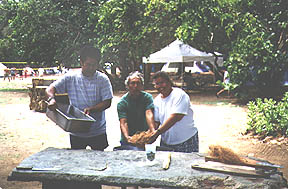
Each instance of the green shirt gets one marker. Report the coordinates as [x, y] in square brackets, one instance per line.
[134, 111]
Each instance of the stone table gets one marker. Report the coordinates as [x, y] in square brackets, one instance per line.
[57, 168]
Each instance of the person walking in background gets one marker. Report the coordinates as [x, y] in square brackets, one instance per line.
[13, 73]
[135, 109]
[6, 74]
[41, 72]
[90, 91]
[25, 72]
[174, 116]
[225, 83]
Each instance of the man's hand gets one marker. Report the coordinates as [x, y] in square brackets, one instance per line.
[154, 136]
[50, 92]
[87, 111]
[98, 107]
[129, 138]
[52, 105]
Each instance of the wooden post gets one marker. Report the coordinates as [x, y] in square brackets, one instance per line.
[37, 94]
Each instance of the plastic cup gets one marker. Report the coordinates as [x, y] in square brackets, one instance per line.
[150, 150]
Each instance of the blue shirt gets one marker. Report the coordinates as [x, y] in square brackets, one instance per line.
[85, 92]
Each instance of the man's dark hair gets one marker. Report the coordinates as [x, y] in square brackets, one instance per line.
[163, 75]
[91, 52]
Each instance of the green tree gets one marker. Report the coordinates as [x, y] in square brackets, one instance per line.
[259, 54]
[251, 34]
[50, 30]
[8, 52]
[254, 41]
[131, 29]
[203, 25]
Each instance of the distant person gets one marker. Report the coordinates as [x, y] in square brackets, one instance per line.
[21, 74]
[189, 80]
[202, 66]
[31, 72]
[41, 72]
[60, 68]
[6, 74]
[13, 73]
[174, 114]
[225, 84]
[64, 70]
[90, 91]
[25, 72]
[135, 109]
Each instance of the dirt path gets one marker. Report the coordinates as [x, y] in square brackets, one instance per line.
[24, 132]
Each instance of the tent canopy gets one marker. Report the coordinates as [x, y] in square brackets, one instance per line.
[177, 51]
[2, 68]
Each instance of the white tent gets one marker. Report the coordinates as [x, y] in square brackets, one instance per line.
[2, 68]
[177, 51]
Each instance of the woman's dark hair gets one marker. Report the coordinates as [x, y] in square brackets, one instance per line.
[91, 52]
[163, 75]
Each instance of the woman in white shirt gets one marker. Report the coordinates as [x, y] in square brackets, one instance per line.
[174, 114]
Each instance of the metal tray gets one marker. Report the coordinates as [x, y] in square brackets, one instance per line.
[70, 118]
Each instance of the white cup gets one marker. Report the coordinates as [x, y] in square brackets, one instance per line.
[150, 150]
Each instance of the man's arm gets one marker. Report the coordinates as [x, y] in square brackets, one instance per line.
[150, 120]
[170, 122]
[50, 92]
[124, 128]
[99, 107]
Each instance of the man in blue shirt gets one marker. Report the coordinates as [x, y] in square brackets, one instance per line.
[90, 91]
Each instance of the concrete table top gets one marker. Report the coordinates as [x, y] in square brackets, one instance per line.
[126, 168]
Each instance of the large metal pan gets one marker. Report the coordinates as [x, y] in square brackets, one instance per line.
[70, 118]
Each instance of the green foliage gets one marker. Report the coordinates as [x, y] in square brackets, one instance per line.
[202, 25]
[268, 117]
[254, 52]
[47, 31]
[13, 90]
[251, 34]
[120, 28]
[129, 30]
[8, 52]
[227, 86]
[259, 54]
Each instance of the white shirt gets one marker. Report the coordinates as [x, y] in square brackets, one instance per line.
[178, 102]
